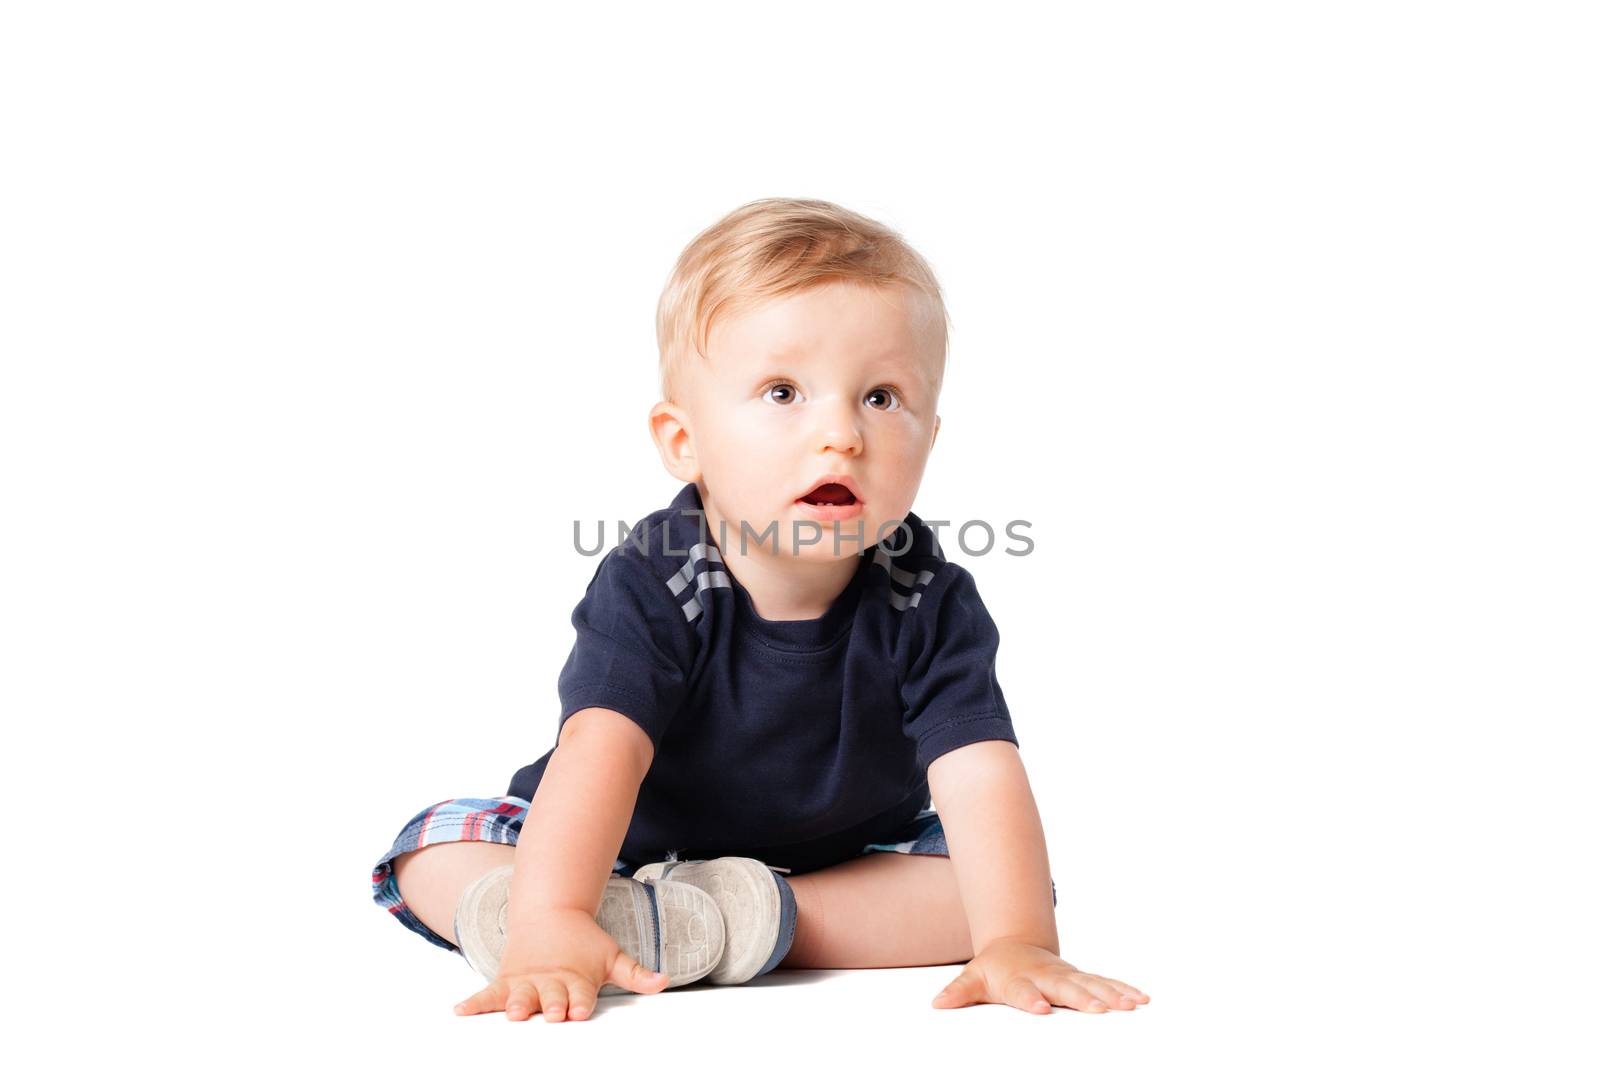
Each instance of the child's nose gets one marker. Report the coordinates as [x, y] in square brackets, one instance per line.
[839, 427]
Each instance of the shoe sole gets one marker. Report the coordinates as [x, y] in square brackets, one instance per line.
[681, 918]
[754, 911]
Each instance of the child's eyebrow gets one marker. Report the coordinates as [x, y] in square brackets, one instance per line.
[895, 362]
[779, 353]
[905, 367]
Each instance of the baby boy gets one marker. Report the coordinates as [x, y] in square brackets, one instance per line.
[781, 741]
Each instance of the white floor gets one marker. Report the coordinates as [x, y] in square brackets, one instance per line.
[234, 948]
[788, 1016]
[338, 981]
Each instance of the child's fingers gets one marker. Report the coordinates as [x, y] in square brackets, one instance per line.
[1129, 991]
[1071, 993]
[629, 973]
[1104, 991]
[490, 998]
[581, 1006]
[522, 1002]
[553, 996]
[1108, 990]
[1024, 994]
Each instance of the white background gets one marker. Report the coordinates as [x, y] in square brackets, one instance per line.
[322, 321]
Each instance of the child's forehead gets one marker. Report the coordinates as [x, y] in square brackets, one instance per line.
[881, 323]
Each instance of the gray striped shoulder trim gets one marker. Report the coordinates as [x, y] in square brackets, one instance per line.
[714, 576]
[902, 601]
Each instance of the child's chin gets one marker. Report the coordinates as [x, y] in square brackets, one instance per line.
[831, 546]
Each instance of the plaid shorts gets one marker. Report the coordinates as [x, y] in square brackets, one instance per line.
[498, 820]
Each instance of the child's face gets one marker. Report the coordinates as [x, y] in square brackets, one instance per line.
[841, 379]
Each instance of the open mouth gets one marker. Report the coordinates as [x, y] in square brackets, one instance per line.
[829, 494]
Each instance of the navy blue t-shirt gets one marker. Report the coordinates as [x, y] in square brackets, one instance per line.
[796, 742]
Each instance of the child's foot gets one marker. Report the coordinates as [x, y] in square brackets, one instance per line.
[757, 906]
[674, 927]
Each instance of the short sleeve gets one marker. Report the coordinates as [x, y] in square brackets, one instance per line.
[948, 687]
[633, 646]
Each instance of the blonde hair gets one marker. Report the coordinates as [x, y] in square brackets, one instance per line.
[775, 247]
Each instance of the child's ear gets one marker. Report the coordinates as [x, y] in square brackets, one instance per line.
[669, 428]
[935, 433]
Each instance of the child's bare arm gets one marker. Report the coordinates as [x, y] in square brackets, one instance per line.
[575, 826]
[997, 845]
[557, 957]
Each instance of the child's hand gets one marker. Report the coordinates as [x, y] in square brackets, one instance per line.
[557, 964]
[1032, 978]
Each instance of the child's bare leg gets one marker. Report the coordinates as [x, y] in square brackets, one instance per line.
[433, 878]
[883, 909]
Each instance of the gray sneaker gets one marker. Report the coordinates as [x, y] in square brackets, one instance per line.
[757, 907]
[674, 927]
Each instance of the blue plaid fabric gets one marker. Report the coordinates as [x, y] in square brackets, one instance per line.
[499, 819]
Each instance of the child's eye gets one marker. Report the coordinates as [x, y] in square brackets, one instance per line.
[784, 388]
[894, 399]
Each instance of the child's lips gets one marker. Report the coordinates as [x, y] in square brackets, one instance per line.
[834, 488]
[832, 499]
[830, 493]
[837, 489]
[832, 512]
